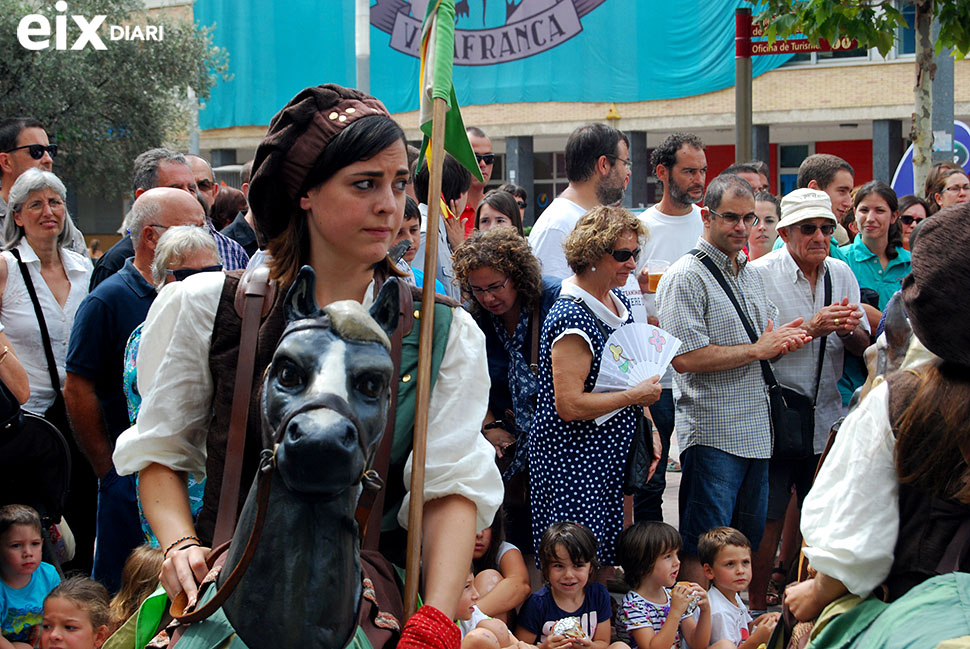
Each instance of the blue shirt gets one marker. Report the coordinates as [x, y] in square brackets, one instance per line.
[870, 273]
[23, 608]
[540, 612]
[96, 350]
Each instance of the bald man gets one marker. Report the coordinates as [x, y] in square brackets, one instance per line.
[93, 392]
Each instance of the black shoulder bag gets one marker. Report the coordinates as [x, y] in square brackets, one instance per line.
[636, 473]
[792, 414]
[57, 413]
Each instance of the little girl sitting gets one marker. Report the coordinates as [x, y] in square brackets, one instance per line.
[654, 614]
[501, 576]
[76, 615]
[567, 553]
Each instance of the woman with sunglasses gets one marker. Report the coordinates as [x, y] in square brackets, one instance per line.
[576, 466]
[182, 251]
[912, 210]
[521, 197]
[498, 209]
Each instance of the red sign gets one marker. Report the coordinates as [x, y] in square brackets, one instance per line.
[801, 45]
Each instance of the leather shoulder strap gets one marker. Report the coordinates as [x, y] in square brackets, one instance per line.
[253, 300]
[44, 335]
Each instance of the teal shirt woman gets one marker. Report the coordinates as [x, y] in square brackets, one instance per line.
[877, 258]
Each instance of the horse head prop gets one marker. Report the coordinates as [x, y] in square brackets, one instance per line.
[324, 405]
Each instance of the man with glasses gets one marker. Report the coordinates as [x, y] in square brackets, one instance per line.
[482, 146]
[23, 145]
[722, 416]
[93, 391]
[794, 278]
[598, 167]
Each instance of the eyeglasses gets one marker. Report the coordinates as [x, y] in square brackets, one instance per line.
[38, 205]
[909, 219]
[808, 229]
[732, 218]
[493, 289]
[205, 184]
[624, 256]
[487, 158]
[956, 189]
[521, 204]
[36, 151]
[628, 163]
[181, 273]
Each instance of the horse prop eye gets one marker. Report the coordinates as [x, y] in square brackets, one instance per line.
[289, 375]
[370, 385]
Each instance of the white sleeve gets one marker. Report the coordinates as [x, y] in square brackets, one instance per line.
[850, 518]
[174, 380]
[547, 247]
[460, 460]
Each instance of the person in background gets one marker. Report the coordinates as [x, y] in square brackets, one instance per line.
[35, 231]
[521, 197]
[912, 210]
[762, 237]
[947, 184]
[482, 146]
[498, 209]
[229, 203]
[835, 177]
[241, 229]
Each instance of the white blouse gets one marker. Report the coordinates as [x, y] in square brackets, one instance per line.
[20, 320]
[177, 387]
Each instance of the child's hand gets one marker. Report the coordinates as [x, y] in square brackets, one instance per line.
[765, 625]
[680, 597]
[701, 596]
[556, 642]
[582, 642]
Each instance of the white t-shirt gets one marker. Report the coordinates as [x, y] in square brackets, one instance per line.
[670, 237]
[547, 235]
[472, 622]
[728, 620]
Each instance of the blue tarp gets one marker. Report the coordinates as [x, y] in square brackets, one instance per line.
[506, 51]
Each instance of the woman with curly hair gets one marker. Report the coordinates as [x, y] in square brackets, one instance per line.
[575, 465]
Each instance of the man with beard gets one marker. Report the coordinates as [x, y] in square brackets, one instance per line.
[598, 167]
[674, 224]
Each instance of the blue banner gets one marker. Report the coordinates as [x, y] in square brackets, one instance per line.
[506, 51]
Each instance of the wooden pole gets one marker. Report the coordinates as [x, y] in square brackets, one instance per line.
[423, 388]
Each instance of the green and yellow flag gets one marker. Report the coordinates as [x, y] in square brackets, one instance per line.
[437, 60]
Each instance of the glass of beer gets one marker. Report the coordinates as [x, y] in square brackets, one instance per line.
[655, 270]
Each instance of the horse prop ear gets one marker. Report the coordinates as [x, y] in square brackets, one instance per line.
[301, 300]
[387, 306]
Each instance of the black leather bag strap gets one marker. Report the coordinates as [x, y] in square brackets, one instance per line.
[821, 350]
[702, 257]
[44, 335]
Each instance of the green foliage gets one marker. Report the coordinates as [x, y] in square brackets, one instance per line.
[873, 22]
[104, 107]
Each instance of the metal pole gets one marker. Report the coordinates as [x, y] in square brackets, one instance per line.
[743, 135]
[362, 44]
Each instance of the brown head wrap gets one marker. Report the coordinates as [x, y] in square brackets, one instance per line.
[296, 137]
[936, 291]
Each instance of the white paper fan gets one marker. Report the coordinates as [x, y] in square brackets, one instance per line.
[632, 354]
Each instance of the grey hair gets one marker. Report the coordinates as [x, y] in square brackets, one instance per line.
[143, 211]
[176, 245]
[145, 174]
[720, 186]
[31, 181]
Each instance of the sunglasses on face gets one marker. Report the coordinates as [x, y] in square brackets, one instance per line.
[624, 256]
[181, 273]
[808, 229]
[733, 219]
[36, 151]
[487, 158]
[909, 219]
[521, 204]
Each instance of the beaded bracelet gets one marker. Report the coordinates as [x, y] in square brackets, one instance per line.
[175, 543]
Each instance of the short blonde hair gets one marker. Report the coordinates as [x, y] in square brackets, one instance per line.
[596, 234]
[175, 245]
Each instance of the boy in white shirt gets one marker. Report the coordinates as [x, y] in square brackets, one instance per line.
[725, 554]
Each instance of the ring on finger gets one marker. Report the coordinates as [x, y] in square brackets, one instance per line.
[836, 322]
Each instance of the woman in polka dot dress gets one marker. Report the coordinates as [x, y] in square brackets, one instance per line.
[576, 467]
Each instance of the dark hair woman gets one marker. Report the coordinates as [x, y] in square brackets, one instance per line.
[912, 210]
[914, 432]
[498, 209]
[877, 256]
[946, 184]
[576, 466]
[327, 190]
